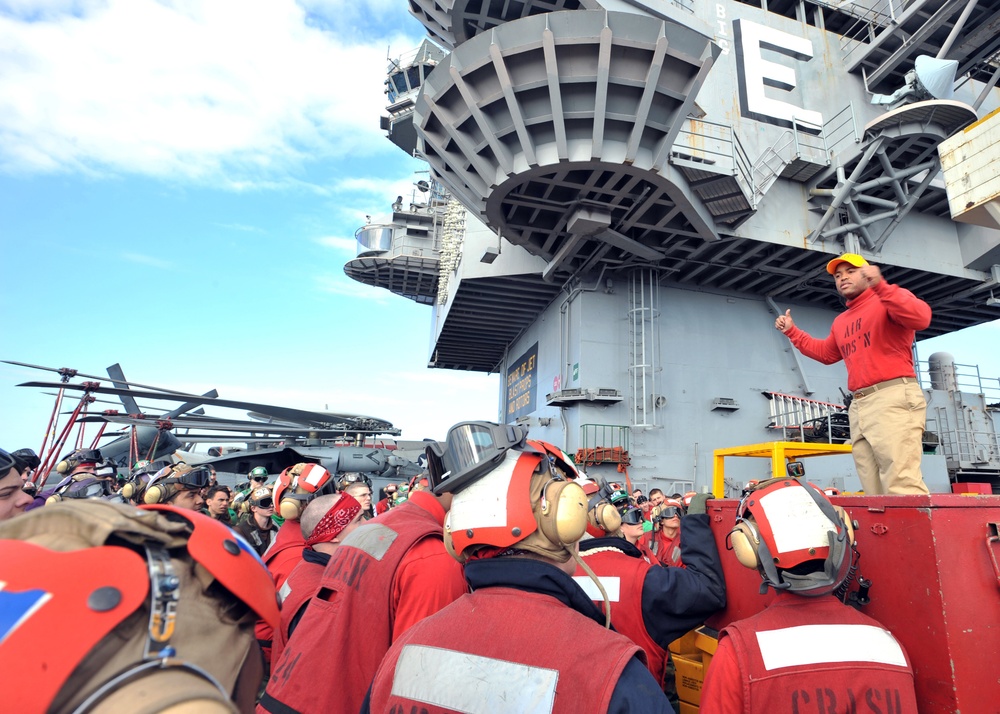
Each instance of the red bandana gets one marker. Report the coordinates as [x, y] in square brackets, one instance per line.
[335, 520]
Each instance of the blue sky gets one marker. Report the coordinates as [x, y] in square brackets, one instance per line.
[180, 183]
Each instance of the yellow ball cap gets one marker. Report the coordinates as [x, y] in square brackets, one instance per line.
[852, 258]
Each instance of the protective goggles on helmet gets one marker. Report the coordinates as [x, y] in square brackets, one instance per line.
[88, 488]
[197, 478]
[26, 459]
[471, 450]
[6, 463]
[670, 512]
[632, 517]
[266, 502]
[86, 456]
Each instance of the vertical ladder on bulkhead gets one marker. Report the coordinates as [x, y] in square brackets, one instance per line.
[643, 313]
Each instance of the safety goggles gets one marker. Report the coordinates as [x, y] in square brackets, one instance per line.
[670, 512]
[471, 450]
[26, 459]
[86, 456]
[632, 517]
[6, 463]
[197, 478]
[91, 488]
[258, 479]
[263, 503]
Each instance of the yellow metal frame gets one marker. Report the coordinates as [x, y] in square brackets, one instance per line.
[777, 451]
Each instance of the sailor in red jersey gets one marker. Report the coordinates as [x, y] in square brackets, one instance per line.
[807, 651]
[324, 524]
[653, 605]
[664, 540]
[293, 491]
[295, 488]
[527, 638]
[390, 573]
[874, 337]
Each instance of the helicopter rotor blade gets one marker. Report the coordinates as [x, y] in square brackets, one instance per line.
[118, 379]
[318, 419]
[74, 373]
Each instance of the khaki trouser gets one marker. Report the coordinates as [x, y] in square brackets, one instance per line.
[887, 428]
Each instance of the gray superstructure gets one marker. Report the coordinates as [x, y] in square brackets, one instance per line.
[624, 194]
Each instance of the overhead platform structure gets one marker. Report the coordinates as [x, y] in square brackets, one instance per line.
[645, 184]
[563, 143]
[402, 255]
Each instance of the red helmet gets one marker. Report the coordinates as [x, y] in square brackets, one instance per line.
[508, 492]
[794, 536]
[297, 485]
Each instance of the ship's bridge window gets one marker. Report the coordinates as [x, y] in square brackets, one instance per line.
[397, 85]
[413, 76]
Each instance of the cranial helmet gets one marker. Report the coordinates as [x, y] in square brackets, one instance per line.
[794, 536]
[171, 480]
[142, 474]
[507, 492]
[603, 517]
[78, 458]
[258, 473]
[297, 486]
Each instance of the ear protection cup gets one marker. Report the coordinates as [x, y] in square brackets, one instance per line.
[54, 498]
[127, 491]
[745, 539]
[563, 514]
[606, 517]
[157, 494]
[846, 518]
[291, 509]
[63, 467]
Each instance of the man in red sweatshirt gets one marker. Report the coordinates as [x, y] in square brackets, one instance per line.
[874, 337]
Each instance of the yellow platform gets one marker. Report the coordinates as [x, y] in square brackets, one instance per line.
[778, 451]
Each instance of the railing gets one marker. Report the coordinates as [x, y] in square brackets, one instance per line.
[716, 144]
[871, 21]
[966, 378]
[603, 444]
[842, 127]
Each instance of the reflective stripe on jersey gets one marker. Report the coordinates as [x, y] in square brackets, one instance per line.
[429, 675]
[372, 538]
[828, 644]
[613, 586]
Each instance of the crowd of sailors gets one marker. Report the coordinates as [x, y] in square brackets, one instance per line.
[502, 579]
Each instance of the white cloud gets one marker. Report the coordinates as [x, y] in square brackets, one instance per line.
[225, 91]
[346, 245]
[148, 260]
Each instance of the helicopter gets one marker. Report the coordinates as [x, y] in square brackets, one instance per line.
[272, 436]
